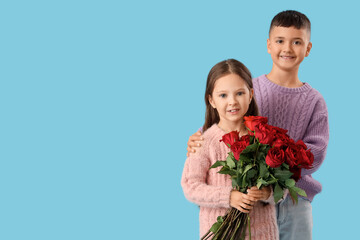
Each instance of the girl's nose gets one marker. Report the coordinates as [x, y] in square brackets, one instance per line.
[232, 100]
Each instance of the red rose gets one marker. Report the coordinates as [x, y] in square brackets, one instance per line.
[275, 157]
[280, 130]
[305, 159]
[282, 140]
[297, 155]
[301, 144]
[265, 133]
[245, 138]
[252, 121]
[291, 155]
[296, 173]
[239, 146]
[230, 138]
[310, 159]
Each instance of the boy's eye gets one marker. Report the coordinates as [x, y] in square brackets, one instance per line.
[279, 41]
[297, 43]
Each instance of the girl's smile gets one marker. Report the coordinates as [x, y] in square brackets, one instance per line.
[234, 111]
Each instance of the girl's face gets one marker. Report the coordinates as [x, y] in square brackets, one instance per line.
[231, 98]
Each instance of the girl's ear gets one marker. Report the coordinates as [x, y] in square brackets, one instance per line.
[251, 94]
[211, 101]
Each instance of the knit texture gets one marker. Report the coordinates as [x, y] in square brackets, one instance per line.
[211, 190]
[303, 112]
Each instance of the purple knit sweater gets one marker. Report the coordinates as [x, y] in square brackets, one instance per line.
[303, 112]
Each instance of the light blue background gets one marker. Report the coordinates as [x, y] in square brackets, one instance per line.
[98, 99]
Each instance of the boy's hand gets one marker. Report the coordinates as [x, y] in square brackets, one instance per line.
[241, 201]
[259, 194]
[194, 143]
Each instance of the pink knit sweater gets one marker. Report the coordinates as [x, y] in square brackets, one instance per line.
[211, 190]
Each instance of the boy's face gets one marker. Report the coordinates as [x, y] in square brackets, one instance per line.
[288, 47]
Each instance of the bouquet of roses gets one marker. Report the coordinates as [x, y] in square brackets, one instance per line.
[265, 157]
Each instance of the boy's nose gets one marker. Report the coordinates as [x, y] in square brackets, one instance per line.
[287, 47]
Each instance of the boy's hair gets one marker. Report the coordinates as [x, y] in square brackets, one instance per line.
[291, 18]
[222, 69]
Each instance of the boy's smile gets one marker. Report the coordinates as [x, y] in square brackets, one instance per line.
[288, 47]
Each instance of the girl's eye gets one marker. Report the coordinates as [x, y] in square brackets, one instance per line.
[240, 93]
[223, 95]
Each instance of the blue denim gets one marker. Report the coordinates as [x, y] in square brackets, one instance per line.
[294, 221]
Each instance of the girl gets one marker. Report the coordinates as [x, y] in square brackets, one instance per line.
[228, 97]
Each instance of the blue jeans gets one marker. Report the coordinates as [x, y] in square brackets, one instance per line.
[294, 221]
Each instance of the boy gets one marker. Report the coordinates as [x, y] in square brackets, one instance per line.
[293, 105]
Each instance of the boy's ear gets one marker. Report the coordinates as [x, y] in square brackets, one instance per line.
[268, 45]
[309, 46]
[211, 101]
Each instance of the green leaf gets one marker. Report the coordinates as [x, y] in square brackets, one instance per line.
[293, 195]
[282, 174]
[244, 184]
[264, 148]
[226, 170]
[286, 166]
[290, 183]
[272, 181]
[278, 193]
[244, 158]
[250, 148]
[230, 162]
[247, 168]
[215, 227]
[261, 156]
[250, 174]
[234, 181]
[260, 182]
[300, 191]
[264, 172]
[218, 164]
[295, 191]
[239, 179]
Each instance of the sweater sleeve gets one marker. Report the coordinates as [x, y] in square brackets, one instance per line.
[195, 186]
[316, 135]
[270, 200]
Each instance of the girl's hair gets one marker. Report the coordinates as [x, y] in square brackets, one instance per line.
[222, 69]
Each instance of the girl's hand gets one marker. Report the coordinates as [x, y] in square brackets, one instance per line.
[241, 201]
[259, 194]
[194, 143]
